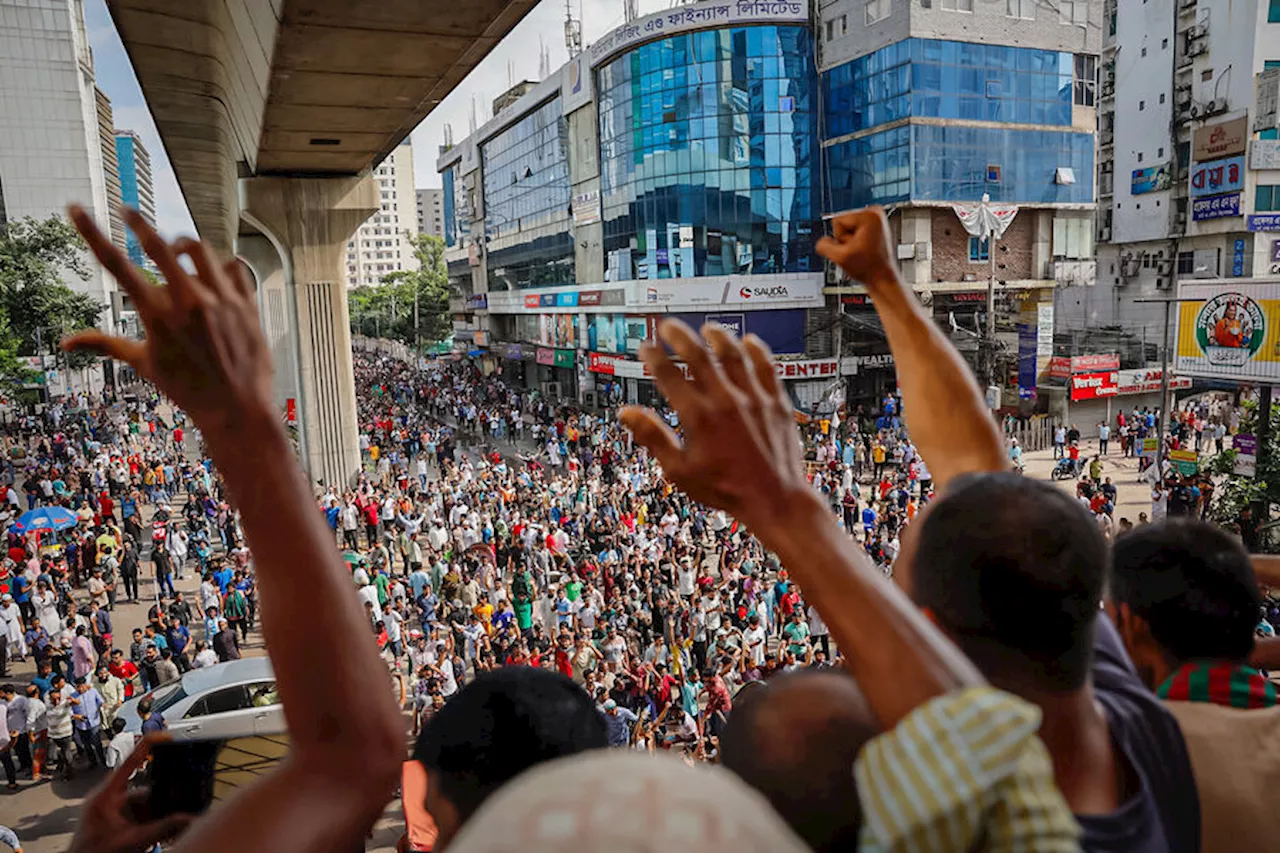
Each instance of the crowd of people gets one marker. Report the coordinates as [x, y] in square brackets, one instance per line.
[543, 583]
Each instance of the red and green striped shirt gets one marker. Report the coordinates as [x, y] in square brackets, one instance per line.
[1227, 684]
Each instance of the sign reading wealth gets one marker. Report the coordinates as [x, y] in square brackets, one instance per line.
[698, 15]
[1229, 330]
[1217, 176]
[1215, 141]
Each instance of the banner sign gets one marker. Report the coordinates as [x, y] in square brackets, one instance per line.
[1246, 463]
[1094, 386]
[1147, 381]
[1217, 177]
[1229, 330]
[546, 356]
[1152, 179]
[1217, 207]
[1044, 330]
[1026, 361]
[1150, 447]
[586, 208]
[1263, 222]
[986, 219]
[478, 302]
[729, 14]
[1186, 461]
[564, 357]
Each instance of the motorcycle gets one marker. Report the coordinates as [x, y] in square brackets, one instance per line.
[1064, 470]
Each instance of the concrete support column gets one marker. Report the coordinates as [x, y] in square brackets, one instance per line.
[310, 220]
[917, 228]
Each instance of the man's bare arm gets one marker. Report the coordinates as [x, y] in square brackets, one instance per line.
[945, 409]
[205, 349]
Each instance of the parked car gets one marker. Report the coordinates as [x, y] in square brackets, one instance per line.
[228, 700]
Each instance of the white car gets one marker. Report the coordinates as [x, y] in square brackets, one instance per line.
[228, 700]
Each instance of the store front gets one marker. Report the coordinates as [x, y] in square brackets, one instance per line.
[556, 373]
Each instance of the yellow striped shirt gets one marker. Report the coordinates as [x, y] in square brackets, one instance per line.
[964, 772]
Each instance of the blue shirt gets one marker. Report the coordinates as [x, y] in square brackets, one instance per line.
[90, 708]
[128, 507]
[618, 726]
[178, 636]
[223, 579]
[868, 518]
[154, 723]
[42, 683]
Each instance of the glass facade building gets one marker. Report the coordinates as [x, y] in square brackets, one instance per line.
[526, 186]
[126, 154]
[930, 78]
[708, 148]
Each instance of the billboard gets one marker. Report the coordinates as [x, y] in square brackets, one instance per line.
[1230, 330]
[1215, 207]
[1150, 180]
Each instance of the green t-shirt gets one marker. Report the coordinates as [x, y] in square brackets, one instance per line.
[384, 589]
[797, 633]
[572, 590]
[524, 614]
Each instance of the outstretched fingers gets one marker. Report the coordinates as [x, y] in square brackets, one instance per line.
[653, 434]
[100, 343]
[148, 300]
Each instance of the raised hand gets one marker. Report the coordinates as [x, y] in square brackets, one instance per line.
[204, 347]
[107, 822]
[740, 450]
[863, 248]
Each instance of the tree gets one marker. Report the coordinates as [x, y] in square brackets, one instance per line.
[36, 306]
[387, 309]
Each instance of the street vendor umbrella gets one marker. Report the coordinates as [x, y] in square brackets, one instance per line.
[44, 519]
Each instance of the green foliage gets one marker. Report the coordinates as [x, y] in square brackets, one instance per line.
[1234, 493]
[387, 309]
[36, 306]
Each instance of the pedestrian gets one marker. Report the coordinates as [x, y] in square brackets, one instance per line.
[87, 716]
[162, 564]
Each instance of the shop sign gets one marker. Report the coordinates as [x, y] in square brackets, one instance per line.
[1264, 154]
[1094, 386]
[481, 338]
[1263, 222]
[748, 292]
[1147, 381]
[1060, 367]
[1217, 207]
[546, 356]
[816, 369]
[566, 300]
[513, 352]
[563, 358]
[735, 323]
[854, 364]
[588, 298]
[532, 301]
[291, 411]
[1186, 461]
[1217, 177]
[1216, 141]
[1246, 462]
[547, 300]
[478, 302]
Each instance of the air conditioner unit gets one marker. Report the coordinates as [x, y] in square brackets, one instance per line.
[1218, 106]
[1197, 31]
[906, 251]
[1196, 111]
[1164, 282]
[1164, 267]
[1129, 267]
[551, 389]
[832, 275]
[1104, 235]
[1196, 48]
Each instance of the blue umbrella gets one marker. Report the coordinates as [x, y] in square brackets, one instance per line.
[46, 518]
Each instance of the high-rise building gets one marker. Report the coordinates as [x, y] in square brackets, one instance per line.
[136, 188]
[110, 165]
[51, 153]
[683, 164]
[1189, 181]
[431, 212]
[382, 244]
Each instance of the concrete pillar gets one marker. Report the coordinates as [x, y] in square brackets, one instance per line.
[304, 306]
[917, 229]
[1041, 242]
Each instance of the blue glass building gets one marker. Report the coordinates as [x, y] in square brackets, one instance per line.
[708, 146]
[136, 188]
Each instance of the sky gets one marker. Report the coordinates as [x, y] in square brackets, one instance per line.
[517, 58]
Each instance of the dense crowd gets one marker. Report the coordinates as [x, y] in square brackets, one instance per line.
[543, 583]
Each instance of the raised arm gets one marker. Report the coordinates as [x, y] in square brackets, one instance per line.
[205, 350]
[948, 416]
[740, 454]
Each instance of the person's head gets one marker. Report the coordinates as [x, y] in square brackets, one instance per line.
[103, 672]
[144, 707]
[1012, 570]
[494, 729]
[1182, 590]
[795, 741]
[7, 691]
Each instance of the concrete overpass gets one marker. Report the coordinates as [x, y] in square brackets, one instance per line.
[272, 113]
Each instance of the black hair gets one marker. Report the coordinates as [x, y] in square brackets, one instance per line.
[1194, 585]
[501, 724]
[1013, 571]
[795, 740]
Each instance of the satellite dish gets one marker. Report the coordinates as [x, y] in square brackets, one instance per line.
[926, 298]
